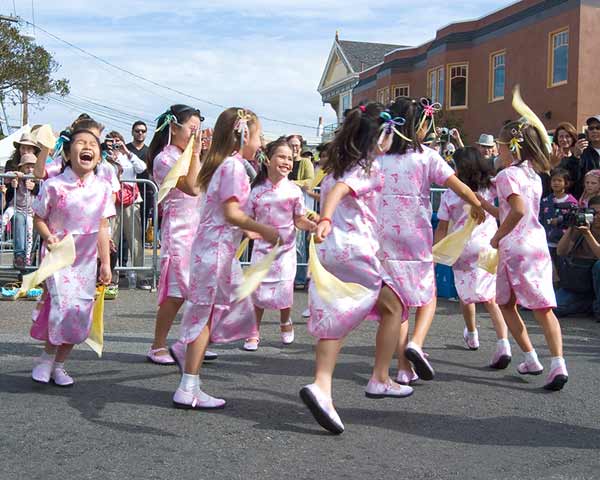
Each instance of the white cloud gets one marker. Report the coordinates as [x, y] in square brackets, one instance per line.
[265, 54]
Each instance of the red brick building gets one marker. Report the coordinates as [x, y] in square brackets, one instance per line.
[550, 47]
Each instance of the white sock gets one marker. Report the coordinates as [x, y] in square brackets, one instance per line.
[503, 342]
[59, 365]
[46, 357]
[531, 357]
[472, 334]
[189, 383]
[558, 362]
[414, 346]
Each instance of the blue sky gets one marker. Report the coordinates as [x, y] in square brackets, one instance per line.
[265, 54]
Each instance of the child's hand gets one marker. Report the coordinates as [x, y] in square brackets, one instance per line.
[478, 214]
[197, 147]
[112, 246]
[252, 235]
[52, 240]
[19, 174]
[305, 223]
[29, 184]
[271, 235]
[495, 241]
[323, 231]
[2, 188]
[105, 275]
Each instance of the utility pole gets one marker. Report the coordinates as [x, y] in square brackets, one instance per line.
[25, 114]
[11, 19]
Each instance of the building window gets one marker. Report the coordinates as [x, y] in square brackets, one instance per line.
[346, 102]
[558, 53]
[436, 85]
[383, 95]
[497, 75]
[458, 90]
[400, 91]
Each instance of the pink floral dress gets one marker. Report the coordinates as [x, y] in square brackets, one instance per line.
[180, 220]
[473, 284]
[524, 265]
[350, 254]
[104, 171]
[70, 205]
[405, 222]
[215, 273]
[277, 205]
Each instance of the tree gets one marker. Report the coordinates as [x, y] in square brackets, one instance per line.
[26, 67]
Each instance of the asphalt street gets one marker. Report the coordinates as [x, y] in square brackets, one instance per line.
[117, 422]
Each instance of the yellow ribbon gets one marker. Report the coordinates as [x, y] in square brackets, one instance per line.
[488, 260]
[450, 248]
[95, 339]
[328, 286]
[242, 248]
[523, 109]
[179, 169]
[255, 274]
[59, 256]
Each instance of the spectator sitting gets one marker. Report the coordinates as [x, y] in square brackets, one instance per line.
[559, 180]
[25, 192]
[582, 296]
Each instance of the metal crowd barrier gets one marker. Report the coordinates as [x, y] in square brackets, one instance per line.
[8, 229]
[130, 236]
[132, 223]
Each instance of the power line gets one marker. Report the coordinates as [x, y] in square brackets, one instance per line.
[152, 82]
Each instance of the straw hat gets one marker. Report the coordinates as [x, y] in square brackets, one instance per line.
[27, 159]
[26, 139]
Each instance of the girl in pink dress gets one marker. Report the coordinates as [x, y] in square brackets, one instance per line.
[348, 249]
[75, 202]
[212, 310]
[279, 202]
[525, 268]
[180, 220]
[473, 284]
[409, 170]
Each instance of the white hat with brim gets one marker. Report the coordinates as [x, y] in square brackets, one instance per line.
[26, 139]
[27, 159]
[486, 140]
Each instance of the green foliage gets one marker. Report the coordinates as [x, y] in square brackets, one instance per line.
[25, 66]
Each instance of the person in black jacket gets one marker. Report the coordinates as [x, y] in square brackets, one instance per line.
[590, 157]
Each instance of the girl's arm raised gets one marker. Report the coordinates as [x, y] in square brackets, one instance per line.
[40, 165]
[441, 231]
[104, 252]
[464, 192]
[517, 211]
[338, 192]
[236, 216]
[189, 183]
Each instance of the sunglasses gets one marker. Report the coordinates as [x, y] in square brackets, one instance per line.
[139, 131]
[594, 127]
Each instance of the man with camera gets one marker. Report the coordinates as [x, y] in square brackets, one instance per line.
[579, 263]
[589, 148]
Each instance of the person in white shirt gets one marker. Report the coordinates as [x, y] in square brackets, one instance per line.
[128, 205]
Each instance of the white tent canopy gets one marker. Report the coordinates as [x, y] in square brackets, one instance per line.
[6, 144]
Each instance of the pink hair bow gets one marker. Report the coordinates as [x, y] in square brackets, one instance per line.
[429, 111]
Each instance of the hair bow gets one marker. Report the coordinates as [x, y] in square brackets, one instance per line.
[429, 111]
[388, 128]
[167, 120]
[241, 124]
[516, 140]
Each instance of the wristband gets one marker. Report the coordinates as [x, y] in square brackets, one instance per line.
[325, 219]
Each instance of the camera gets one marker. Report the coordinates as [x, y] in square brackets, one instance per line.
[569, 215]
